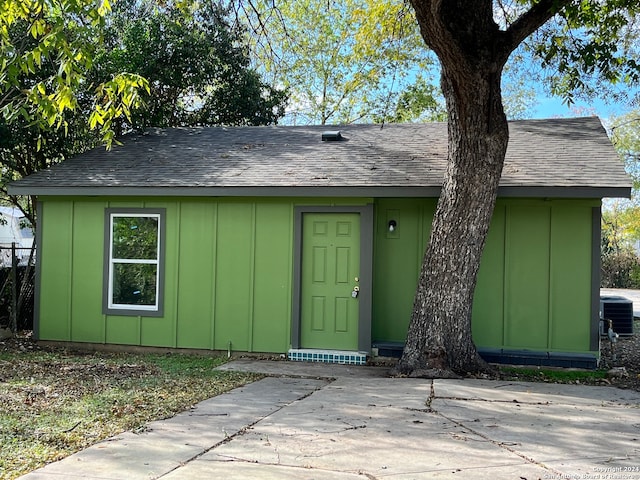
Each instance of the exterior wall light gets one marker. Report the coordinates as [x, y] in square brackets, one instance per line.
[392, 225]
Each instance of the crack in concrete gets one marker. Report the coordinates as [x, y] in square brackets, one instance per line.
[240, 432]
[502, 445]
[341, 430]
[431, 397]
[208, 414]
[277, 452]
[305, 467]
[515, 401]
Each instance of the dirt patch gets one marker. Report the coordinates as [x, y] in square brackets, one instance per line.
[70, 367]
[623, 357]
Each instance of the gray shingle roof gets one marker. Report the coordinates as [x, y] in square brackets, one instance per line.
[555, 157]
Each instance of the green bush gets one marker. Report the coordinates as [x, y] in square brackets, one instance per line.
[620, 269]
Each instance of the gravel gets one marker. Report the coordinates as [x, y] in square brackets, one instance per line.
[623, 358]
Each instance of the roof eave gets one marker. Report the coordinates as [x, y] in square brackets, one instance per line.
[317, 191]
[565, 192]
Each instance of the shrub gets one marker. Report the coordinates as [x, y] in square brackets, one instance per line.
[620, 269]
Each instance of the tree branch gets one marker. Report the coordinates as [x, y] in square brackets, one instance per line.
[431, 27]
[539, 14]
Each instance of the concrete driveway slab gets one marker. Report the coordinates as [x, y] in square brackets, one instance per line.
[313, 421]
[572, 430]
[534, 392]
[169, 444]
[202, 469]
[379, 428]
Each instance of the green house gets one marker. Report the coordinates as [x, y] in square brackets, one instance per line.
[307, 240]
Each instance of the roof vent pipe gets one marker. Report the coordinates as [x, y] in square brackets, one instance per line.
[331, 136]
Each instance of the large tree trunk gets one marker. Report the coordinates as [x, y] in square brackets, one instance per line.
[472, 51]
[439, 340]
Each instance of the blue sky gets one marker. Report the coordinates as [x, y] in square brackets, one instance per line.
[548, 107]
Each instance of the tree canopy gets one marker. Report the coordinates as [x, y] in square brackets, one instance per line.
[625, 133]
[343, 61]
[195, 62]
[621, 218]
[58, 56]
[47, 49]
[590, 49]
[43, 88]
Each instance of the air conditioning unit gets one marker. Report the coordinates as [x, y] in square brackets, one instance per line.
[620, 311]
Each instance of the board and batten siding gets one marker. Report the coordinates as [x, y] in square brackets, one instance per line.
[229, 264]
[228, 274]
[535, 279]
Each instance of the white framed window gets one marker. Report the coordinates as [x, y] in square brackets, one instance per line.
[134, 244]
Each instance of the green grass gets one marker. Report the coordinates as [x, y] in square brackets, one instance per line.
[56, 403]
[553, 375]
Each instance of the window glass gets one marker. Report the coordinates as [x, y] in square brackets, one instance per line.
[135, 237]
[134, 261]
[134, 284]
